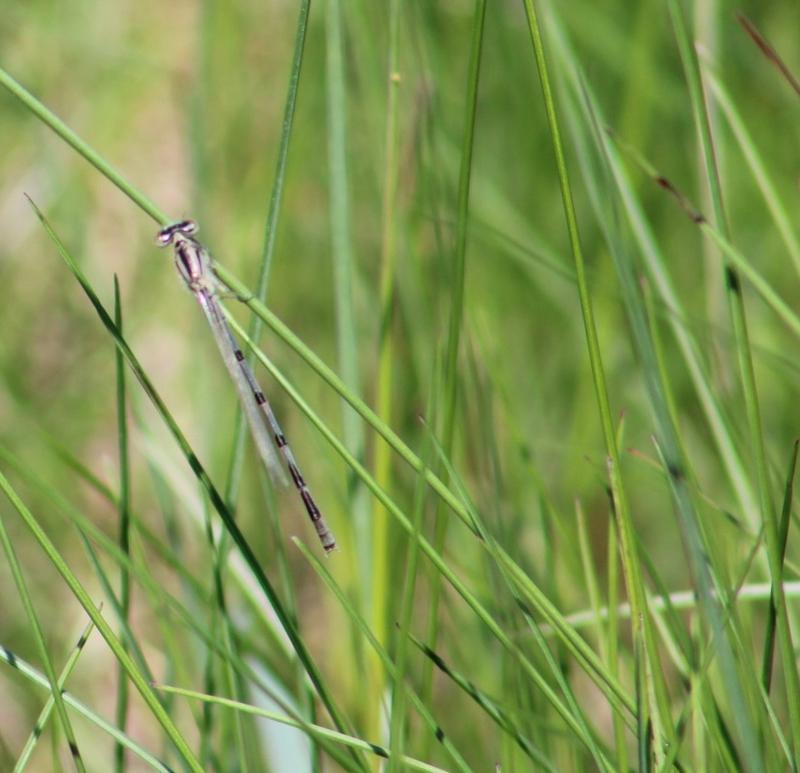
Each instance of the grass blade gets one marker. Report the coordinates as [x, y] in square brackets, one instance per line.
[315, 731]
[50, 119]
[41, 721]
[36, 677]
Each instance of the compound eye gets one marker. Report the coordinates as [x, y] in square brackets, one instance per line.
[188, 227]
[164, 236]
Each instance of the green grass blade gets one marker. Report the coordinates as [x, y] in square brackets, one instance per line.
[384, 388]
[768, 655]
[47, 710]
[124, 522]
[344, 276]
[315, 731]
[51, 120]
[778, 612]
[495, 712]
[30, 673]
[398, 722]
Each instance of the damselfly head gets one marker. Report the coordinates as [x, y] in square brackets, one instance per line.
[167, 235]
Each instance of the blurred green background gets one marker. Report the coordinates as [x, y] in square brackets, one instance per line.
[187, 100]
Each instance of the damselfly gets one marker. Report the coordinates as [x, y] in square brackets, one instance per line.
[194, 266]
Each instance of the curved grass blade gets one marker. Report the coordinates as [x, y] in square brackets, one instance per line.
[49, 118]
[314, 731]
[398, 723]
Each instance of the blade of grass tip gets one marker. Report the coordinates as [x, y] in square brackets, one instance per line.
[124, 523]
[778, 612]
[382, 653]
[493, 626]
[102, 626]
[450, 377]
[383, 554]
[30, 673]
[494, 711]
[219, 504]
[39, 637]
[314, 731]
[631, 567]
[41, 721]
[51, 120]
